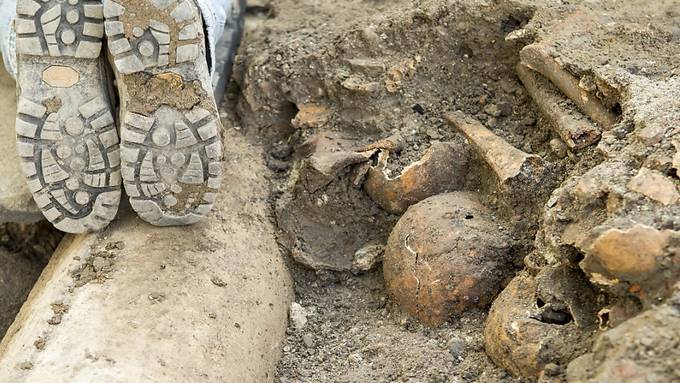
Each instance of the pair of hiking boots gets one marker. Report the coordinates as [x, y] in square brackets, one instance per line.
[167, 154]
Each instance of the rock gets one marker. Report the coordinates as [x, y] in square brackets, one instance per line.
[298, 316]
[16, 201]
[655, 186]
[368, 257]
[324, 217]
[457, 348]
[155, 313]
[17, 275]
[308, 340]
[311, 116]
[638, 255]
[642, 349]
[521, 339]
[367, 66]
[442, 168]
[558, 147]
[444, 256]
[502, 109]
[396, 74]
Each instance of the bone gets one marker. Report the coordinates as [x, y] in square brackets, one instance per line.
[504, 159]
[574, 128]
[538, 58]
[442, 168]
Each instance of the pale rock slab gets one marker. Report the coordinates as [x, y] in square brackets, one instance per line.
[134, 303]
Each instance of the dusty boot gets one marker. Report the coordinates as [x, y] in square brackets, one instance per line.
[66, 134]
[170, 129]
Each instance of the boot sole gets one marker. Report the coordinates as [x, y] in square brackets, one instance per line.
[66, 134]
[171, 149]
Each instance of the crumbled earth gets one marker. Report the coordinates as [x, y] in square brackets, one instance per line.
[353, 333]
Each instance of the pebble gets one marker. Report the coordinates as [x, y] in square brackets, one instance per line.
[558, 147]
[308, 340]
[298, 316]
[457, 348]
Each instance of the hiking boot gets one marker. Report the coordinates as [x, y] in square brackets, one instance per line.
[171, 149]
[66, 135]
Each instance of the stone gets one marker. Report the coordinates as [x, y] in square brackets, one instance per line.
[522, 339]
[398, 73]
[368, 257]
[457, 347]
[442, 168]
[311, 116]
[154, 313]
[502, 109]
[655, 186]
[635, 255]
[308, 340]
[558, 147]
[16, 201]
[446, 255]
[298, 315]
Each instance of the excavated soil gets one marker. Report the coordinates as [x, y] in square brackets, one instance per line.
[354, 333]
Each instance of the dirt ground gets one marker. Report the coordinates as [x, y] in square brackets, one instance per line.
[354, 334]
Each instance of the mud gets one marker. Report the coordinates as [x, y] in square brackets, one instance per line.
[147, 93]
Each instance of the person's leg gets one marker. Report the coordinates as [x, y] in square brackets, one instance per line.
[223, 20]
[66, 135]
[7, 36]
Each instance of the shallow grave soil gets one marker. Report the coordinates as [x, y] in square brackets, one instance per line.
[322, 83]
